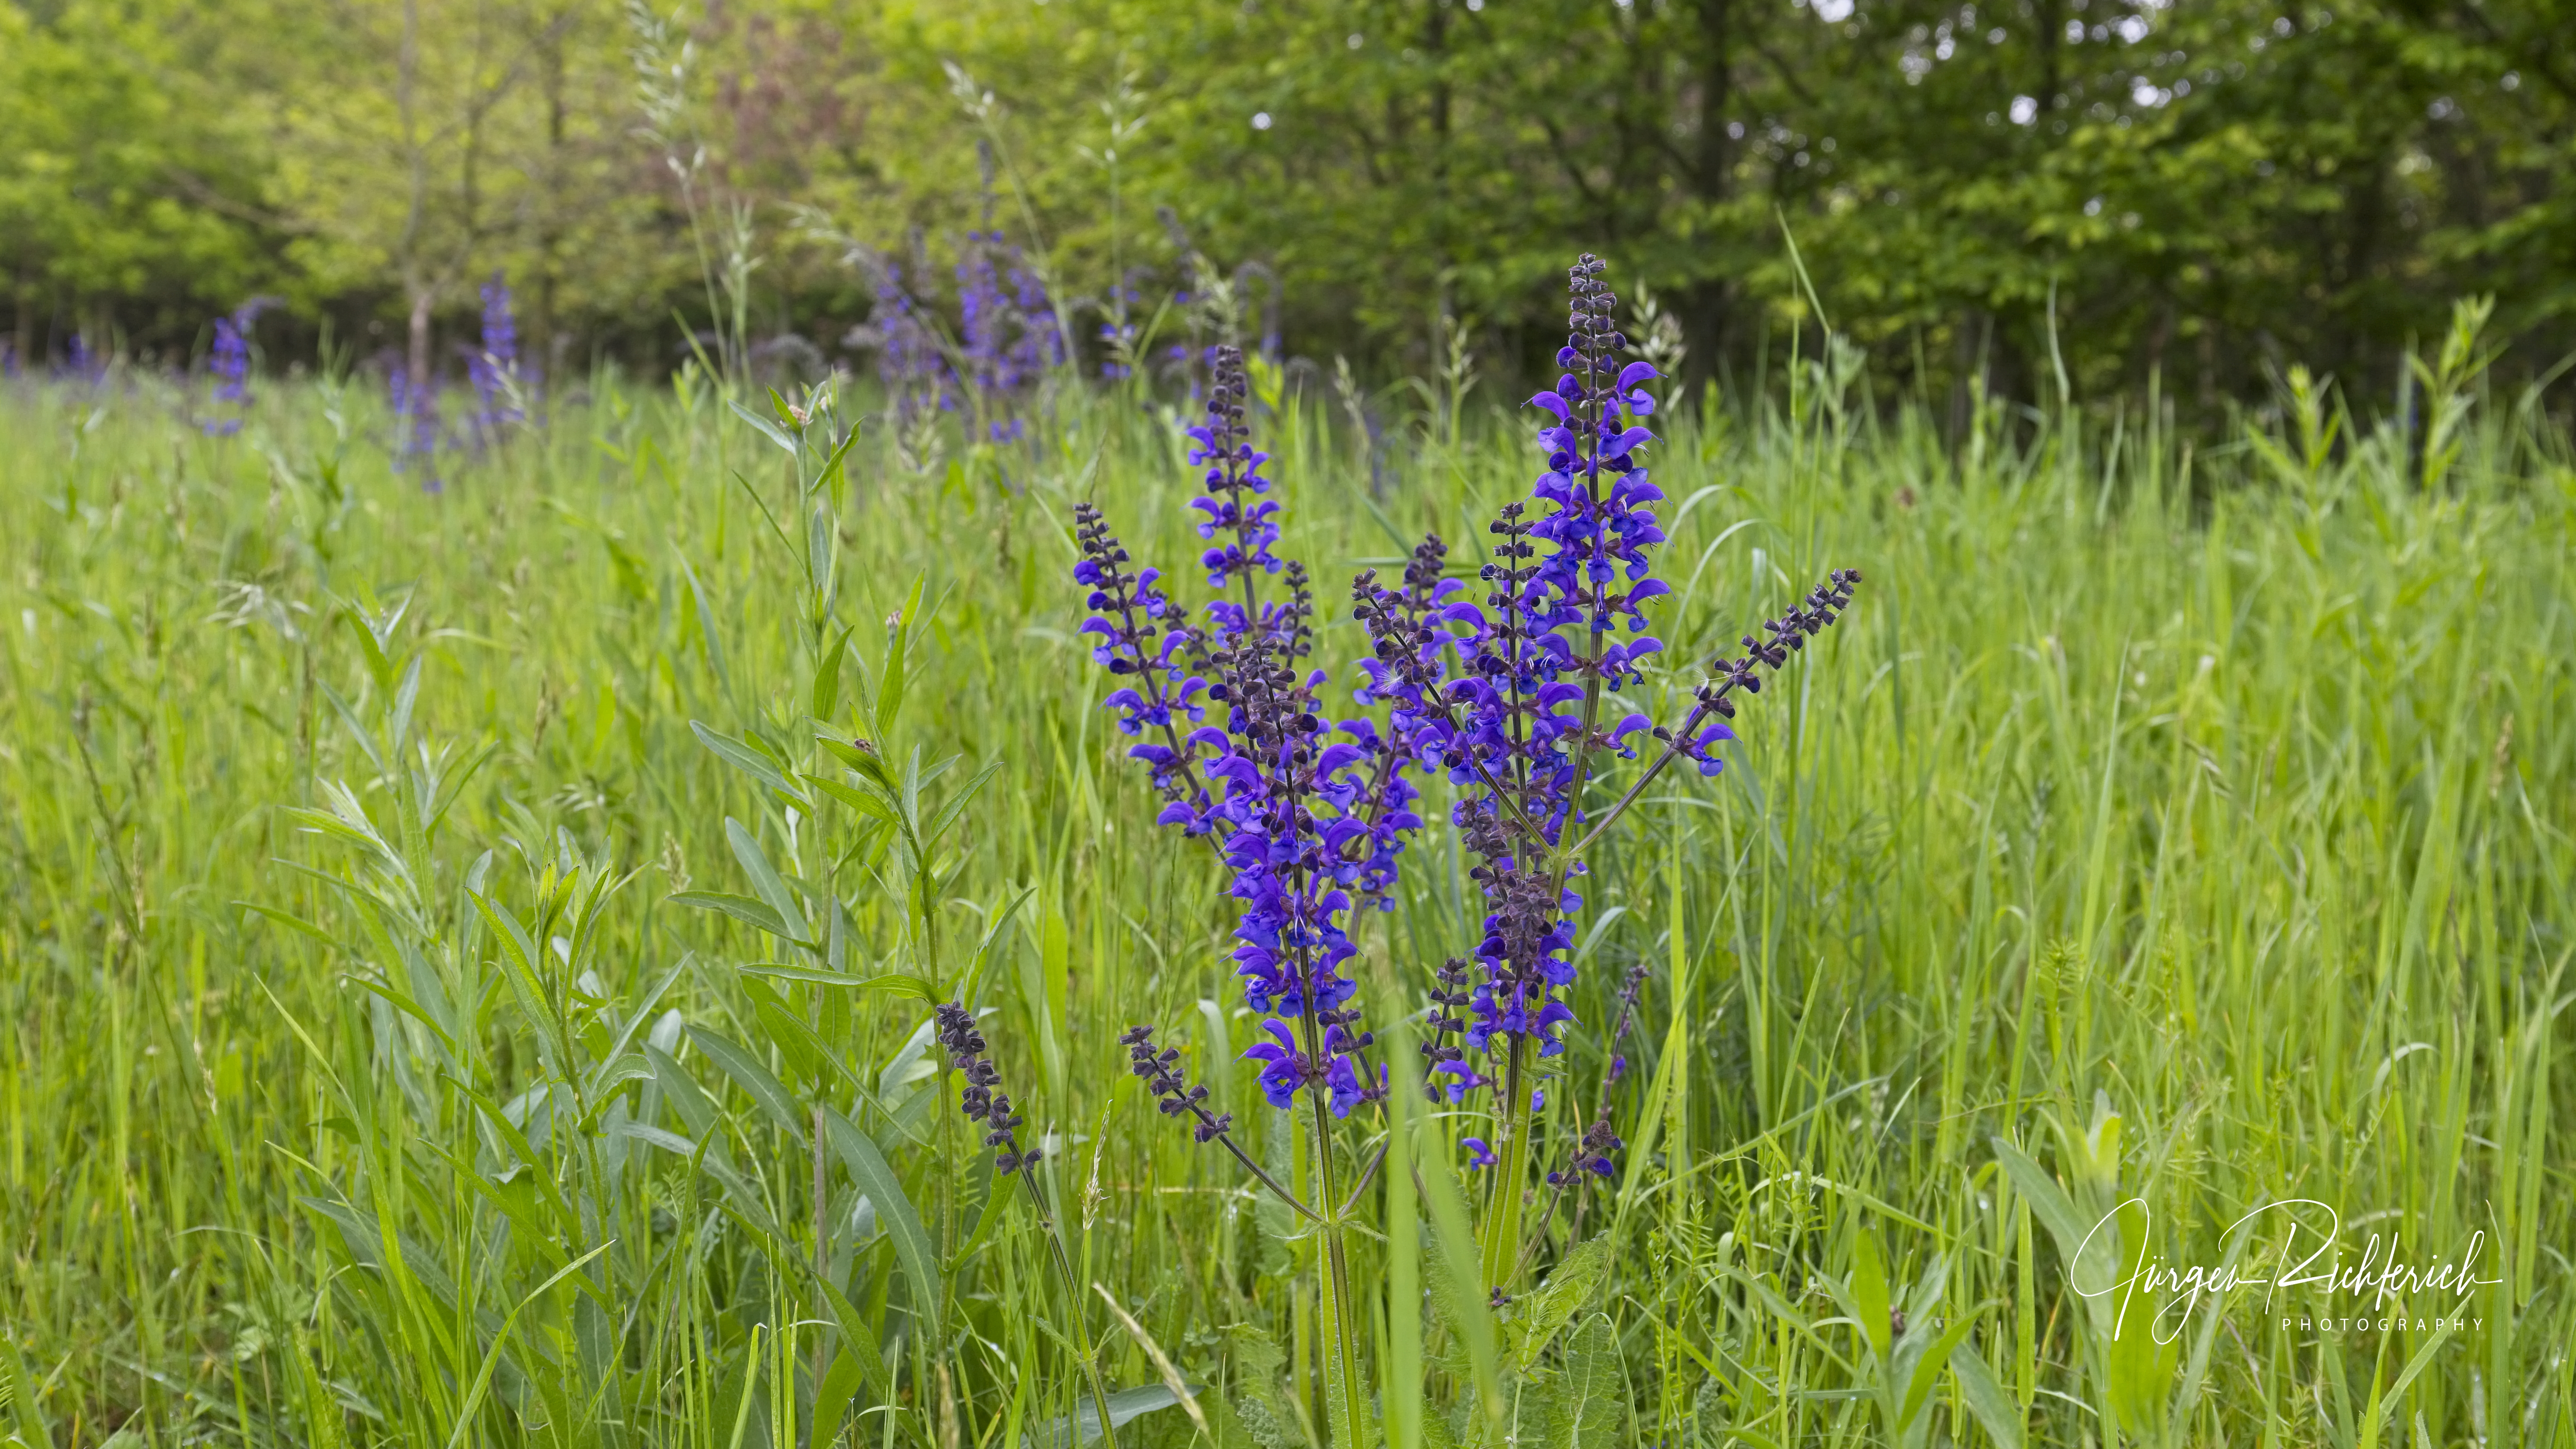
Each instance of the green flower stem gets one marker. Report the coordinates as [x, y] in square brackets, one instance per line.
[1075, 1317]
[1346, 1401]
[1502, 1231]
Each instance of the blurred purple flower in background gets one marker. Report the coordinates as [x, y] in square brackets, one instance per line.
[229, 361]
[1007, 335]
[81, 364]
[494, 369]
[909, 363]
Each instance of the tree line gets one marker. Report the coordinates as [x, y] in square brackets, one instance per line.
[1985, 193]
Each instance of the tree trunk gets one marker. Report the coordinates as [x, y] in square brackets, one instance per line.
[417, 359]
[1707, 308]
[550, 223]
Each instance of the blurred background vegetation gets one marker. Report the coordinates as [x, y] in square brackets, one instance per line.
[1985, 194]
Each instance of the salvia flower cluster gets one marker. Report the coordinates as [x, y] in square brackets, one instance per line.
[1307, 814]
[1008, 336]
[1007, 339]
[1505, 685]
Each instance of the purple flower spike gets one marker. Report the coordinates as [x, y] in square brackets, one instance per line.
[1007, 336]
[1172, 1092]
[981, 1101]
[1309, 814]
[1502, 693]
[229, 361]
[1233, 507]
[494, 370]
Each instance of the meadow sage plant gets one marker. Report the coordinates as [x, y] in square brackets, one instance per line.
[1007, 333]
[229, 361]
[493, 368]
[1502, 687]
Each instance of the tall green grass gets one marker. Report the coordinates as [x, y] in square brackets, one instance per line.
[2170, 824]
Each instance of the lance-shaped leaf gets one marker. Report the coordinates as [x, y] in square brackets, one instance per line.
[758, 915]
[755, 1079]
[753, 762]
[901, 983]
[876, 1178]
[765, 878]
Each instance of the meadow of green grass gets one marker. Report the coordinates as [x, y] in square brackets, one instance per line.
[2170, 822]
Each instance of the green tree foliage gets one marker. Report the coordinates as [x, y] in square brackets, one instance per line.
[2203, 190]
[125, 176]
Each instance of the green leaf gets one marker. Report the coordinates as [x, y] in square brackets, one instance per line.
[863, 760]
[1869, 1292]
[765, 877]
[858, 1337]
[1927, 1370]
[1125, 1406]
[291, 922]
[682, 1091]
[757, 914]
[2382, 1399]
[2142, 1369]
[857, 799]
[903, 983]
[890, 687]
[755, 1080]
[841, 1384]
[1987, 1402]
[956, 805]
[827, 675]
[821, 531]
[492, 1359]
[708, 641]
[18, 1395]
[755, 763]
[766, 428]
[740, 1197]
[806, 1055]
[1569, 1290]
[365, 1240]
[1459, 1285]
[671, 1142]
[912, 1248]
[1593, 1395]
[372, 647]
[2048, 1201]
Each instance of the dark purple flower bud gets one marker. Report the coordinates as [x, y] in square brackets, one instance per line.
[963, 1045]
[1172, 1093]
